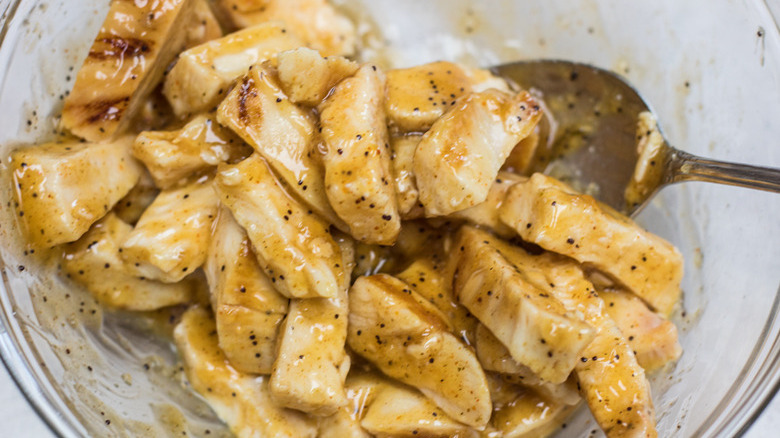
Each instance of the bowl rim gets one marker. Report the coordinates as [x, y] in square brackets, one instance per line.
[762, 389]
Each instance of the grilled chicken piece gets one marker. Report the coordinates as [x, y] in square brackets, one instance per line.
[171, 239]
[534, 326]
[494, 356]
[485, 214]
[240, 400]
[387, 408]
[520, 159]
[248, 310]
[520, 412]
[405, 183]
[460, 156]
[93, 261]
[307, 77]
[63, 188]
[174, 156]
[434, 283]
[317, 22]
[418, 96]
[292, 244]
[358, 174]
[311, 365]
[611, 380]
[137, 200]
[203, 74]
[126, 61]
[258, 111]
[550, 214]
[652, 337]
[407, 338]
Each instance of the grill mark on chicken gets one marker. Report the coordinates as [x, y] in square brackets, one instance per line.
[107, 109]
[120, 47]
[246, 91]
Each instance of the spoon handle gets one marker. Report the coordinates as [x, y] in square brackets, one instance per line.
[686, 167]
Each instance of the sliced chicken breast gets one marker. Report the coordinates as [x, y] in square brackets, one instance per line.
[171, 239]
[203, 74]
[247, 308]
[283, 133]
[63, 188]
[358, 172]
[407, 338]
[307, 77]
[539, 332]
[550, 214]
[240, 400]
[94, 262]
[174, 156]
[128, 57]
[458, 159]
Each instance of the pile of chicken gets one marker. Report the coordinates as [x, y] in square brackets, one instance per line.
[378, 264]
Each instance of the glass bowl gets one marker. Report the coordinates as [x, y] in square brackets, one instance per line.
[711, 69]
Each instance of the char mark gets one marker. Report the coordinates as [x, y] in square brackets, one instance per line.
[119, 47]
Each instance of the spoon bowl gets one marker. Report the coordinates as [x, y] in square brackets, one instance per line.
[601, 137]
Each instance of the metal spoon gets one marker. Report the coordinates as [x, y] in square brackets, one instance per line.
[590, 138]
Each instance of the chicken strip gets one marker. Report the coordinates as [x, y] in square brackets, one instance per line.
[418, 96]
[434, 283]
[358, 174]
[203, 74]
[307, 77]
[652, 337]
[459, 157]
[126, 61]
[485, 214]
[494, 356]
[407, 338]
[550, 214]
[258, 111]
[171, 239]
[94, 262]
[316, 21]
[174, 156]
[311, 365]
[293, 245]
[63, 188]
[240, 400]
[534, 326]
[405, 183]
[248, 310]
[610, 378]
[386, 408]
